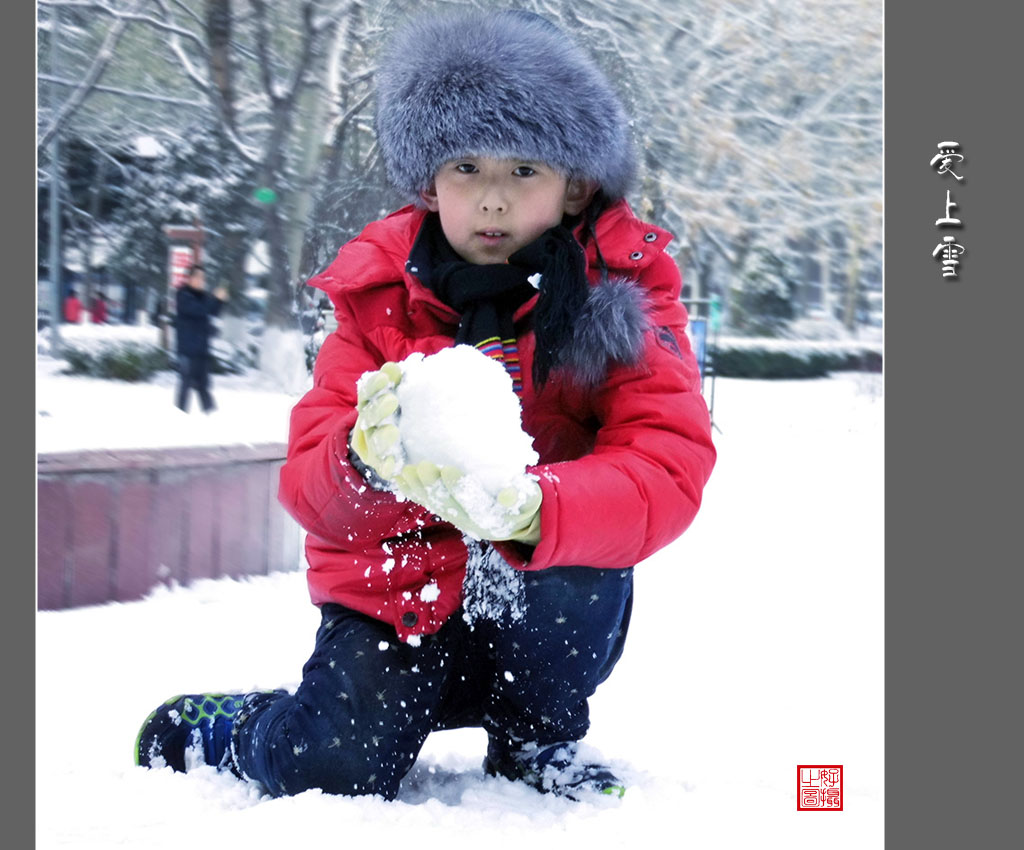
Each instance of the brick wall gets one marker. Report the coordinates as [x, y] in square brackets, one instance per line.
[112, 525]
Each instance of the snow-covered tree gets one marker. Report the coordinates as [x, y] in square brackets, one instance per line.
[758, 121]
[189, 179]
[765, 125]
[255, 71]
[762, 297]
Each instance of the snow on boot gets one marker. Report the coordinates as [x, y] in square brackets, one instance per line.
[555, 769]
[191, 730]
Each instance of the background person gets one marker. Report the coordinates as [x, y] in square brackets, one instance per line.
[72, 307]
[99, 309]
[195, 307]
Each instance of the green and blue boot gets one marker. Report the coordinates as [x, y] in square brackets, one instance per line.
[192, 730]
[556, 769]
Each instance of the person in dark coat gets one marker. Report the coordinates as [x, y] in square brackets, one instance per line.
[195, 307]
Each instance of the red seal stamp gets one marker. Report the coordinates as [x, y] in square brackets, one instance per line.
[819, 788]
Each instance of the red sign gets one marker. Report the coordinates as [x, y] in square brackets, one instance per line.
[186, 243]
[819, 788]
[181, 259]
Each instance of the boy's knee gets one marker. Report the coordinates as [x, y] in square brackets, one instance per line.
[289, 749]
[354, 768]
[552, 660]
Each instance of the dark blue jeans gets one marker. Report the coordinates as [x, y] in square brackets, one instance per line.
[367, 701]
[194, 374]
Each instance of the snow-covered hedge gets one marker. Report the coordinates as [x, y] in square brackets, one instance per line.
[738, 357]
[133, 352]
[126, 361]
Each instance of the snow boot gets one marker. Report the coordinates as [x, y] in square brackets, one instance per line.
[191, 730]
[555, 769]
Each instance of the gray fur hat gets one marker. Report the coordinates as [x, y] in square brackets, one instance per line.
[509, 84]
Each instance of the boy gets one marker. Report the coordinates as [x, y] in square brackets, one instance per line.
[514, 151]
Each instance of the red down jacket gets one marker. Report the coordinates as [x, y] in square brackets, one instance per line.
[622, 463]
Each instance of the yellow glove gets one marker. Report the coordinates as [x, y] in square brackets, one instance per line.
[447, 492]
[375, 436]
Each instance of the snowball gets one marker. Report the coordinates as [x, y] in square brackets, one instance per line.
[458, 409]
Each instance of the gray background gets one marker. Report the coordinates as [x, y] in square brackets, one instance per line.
[17, 226]
[953, 450]
[953, 436]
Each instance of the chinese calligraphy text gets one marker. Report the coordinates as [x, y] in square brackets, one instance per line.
[948, 250]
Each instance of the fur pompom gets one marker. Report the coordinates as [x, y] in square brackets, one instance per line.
[610, 329]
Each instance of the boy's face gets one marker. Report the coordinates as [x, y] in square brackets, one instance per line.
[490, 208]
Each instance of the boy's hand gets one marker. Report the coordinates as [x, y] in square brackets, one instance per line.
[375, 436]
[446, 492]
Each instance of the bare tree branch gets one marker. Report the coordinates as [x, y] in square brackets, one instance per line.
[102, 59]
[130, 16]
[140, 95]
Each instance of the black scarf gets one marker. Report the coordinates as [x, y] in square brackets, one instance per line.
[487, 296]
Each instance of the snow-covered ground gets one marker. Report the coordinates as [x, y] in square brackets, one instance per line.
[756, 645]
[75, 413]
